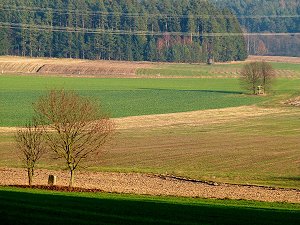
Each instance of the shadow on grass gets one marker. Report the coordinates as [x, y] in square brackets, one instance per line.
[288, 178]
[200, 91]
[48, 208]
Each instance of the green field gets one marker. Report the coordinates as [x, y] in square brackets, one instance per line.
[28, 206]
[203, 70]
[131, 97]
[123, 97]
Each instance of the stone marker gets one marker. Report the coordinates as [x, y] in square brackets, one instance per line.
[52, 180]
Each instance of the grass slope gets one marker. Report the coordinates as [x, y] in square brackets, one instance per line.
[19, 206]
[262, 150]
[122, 97]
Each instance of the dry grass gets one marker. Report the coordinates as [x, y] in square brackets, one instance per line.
[69, 66]
[196, 118]
[284, 59]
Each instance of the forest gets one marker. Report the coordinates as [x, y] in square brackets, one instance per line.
[133, 30]
[262, 16]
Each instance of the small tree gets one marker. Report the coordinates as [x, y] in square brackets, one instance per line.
[30, 143]
[74, 126]
[250, 76]
[257, 74]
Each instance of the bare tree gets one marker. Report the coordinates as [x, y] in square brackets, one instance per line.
[30, 143]
[74, 126]
[257, 74]
[250, 76]
[267, 75]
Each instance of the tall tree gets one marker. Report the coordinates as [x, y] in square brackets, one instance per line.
[75, 127]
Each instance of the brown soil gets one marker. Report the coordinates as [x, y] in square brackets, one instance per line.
[148, 184]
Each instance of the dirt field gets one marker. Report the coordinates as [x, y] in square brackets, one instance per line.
[153, 185]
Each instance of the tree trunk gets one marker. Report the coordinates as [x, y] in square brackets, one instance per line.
[71, 184]
[30, 175]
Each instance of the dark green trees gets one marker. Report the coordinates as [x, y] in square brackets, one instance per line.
[154, 30]
[272, 16]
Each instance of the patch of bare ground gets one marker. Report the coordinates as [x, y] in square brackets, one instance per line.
[293, 102]
[283, 59]
[77, 67]
[148, 184]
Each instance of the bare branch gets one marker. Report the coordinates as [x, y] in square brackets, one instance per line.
[31, 145]
[78, 127]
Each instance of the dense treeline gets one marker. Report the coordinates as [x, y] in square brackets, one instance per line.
[50, 26]
[276, 22]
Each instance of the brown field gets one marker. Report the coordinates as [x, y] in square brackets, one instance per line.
[9, 64]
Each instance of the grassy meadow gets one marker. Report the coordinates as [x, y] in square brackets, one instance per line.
[19, 206]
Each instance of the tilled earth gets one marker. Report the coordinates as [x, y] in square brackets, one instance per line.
[133, 183]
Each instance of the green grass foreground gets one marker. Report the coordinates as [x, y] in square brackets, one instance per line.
[122, 97]
[27, 206]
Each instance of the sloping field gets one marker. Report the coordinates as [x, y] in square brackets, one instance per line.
[68, 66]
[246, 145]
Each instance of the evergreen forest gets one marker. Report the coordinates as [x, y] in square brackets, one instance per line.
[263, 16]
[133, 30]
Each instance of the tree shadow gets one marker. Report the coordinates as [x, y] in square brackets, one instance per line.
[203, 91]
[34, 207]
[288, 178]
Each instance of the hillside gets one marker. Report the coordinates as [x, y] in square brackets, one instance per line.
[131, 30]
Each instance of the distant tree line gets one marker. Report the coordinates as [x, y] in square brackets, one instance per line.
[268, 16]
[45, 28]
